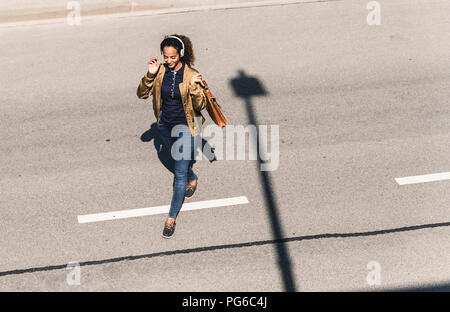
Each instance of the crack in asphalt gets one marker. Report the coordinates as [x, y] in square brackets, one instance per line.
[229, 246]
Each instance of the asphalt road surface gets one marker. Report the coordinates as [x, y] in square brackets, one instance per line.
[357, 106]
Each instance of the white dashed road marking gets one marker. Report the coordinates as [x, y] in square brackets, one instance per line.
[424, 178]
[131, 213]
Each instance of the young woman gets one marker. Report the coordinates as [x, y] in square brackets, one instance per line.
[177, 100]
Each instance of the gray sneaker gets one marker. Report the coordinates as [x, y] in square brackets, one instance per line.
[168, 230]
[190, 190]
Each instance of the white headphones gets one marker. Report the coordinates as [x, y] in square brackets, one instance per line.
[182, 45]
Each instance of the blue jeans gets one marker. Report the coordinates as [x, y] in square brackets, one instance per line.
[182, 167]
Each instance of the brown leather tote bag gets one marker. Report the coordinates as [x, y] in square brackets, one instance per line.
[213, 108]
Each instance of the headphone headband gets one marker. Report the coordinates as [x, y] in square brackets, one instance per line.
[182, 45]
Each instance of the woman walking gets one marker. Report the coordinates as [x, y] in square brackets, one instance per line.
[177, 100]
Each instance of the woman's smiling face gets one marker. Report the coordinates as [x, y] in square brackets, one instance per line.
[171, 56]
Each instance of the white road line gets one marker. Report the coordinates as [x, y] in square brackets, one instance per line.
[131, 213]
[424, 178]
[245, 4]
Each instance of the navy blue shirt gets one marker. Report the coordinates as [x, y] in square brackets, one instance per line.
[172, 108]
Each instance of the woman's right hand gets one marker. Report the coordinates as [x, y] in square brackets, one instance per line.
[153, 65]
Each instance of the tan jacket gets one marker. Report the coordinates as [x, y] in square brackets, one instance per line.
[192, 96]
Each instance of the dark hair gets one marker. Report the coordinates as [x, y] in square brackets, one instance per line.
[188, 57]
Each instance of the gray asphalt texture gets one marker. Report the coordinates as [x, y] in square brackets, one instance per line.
[357, 106]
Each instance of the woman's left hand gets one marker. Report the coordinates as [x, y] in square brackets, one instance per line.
[197, 78]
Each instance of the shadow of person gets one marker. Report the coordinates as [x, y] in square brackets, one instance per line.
[211, 157]
[163, 153]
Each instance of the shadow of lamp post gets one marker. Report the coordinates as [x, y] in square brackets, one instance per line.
[245, 87]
